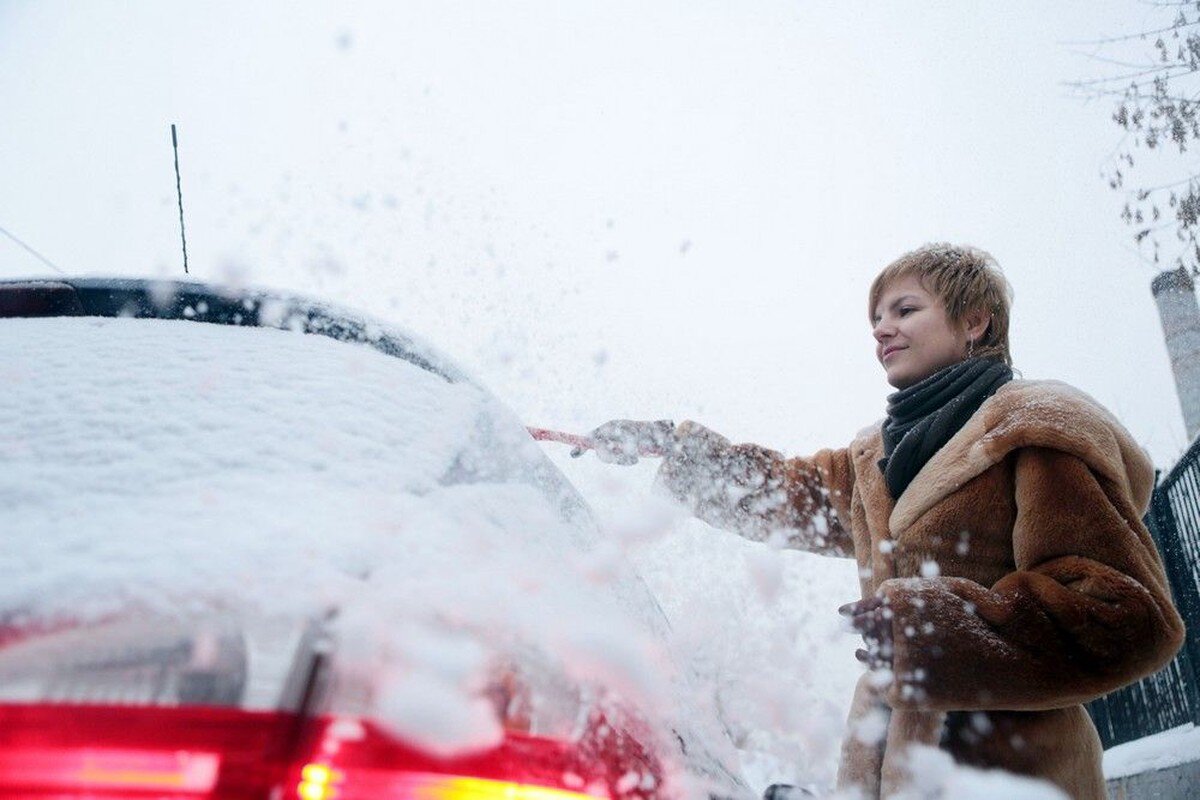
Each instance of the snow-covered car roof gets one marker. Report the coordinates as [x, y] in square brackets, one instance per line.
[230, 435]
[155, 463]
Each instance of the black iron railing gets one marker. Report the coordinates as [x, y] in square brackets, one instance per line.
[1170, 697]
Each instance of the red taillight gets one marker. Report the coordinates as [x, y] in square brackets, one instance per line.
[102, 769]
[353, 760]
[407, 785]
[51, 750]
[60, 751]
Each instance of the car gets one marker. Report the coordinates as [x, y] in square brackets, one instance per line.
[257, 546]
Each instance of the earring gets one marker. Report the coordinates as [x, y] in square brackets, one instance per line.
[970, 347]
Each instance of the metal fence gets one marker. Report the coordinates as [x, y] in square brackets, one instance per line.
[1170, 697]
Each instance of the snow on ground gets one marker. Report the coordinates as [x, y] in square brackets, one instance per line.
[1167, 749]
[937, 777]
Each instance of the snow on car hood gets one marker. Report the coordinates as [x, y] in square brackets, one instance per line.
[172, 464]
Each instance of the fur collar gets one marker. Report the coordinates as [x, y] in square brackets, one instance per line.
[1022, 414]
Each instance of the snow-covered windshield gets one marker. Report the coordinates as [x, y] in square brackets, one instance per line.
[160, 465]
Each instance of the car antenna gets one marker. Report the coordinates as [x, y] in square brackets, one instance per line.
[34, 253]
[179, 194]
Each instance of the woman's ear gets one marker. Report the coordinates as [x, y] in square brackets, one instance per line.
[976, 324]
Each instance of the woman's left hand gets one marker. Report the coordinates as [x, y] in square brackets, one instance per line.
[873, 619]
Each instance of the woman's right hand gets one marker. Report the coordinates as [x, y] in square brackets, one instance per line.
[622, 441]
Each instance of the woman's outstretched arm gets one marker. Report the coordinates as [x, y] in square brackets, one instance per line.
[758, 493]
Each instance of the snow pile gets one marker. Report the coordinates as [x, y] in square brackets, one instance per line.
[1167, 749]
[418, 677]
[937, 777]
[169, 465]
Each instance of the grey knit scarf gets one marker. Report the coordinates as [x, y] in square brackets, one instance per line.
[923, 417]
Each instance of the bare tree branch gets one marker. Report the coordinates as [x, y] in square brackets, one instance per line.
[1172, 185]
[1114, 78]
[1150, 67]
[1131, 36]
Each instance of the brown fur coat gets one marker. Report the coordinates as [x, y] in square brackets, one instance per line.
[1021, 579]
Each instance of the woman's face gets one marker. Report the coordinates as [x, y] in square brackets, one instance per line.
[913, 336]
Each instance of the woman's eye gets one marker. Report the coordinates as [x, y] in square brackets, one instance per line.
[904, 311]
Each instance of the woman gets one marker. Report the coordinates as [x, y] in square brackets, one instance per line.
[1006, 575]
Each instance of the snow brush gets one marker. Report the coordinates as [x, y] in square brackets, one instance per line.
[581, 444]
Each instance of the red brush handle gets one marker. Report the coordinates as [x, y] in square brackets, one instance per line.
[581, 443]
[573, 439]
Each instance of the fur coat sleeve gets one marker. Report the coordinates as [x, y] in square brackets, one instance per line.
[760, 494]
[1085, 608]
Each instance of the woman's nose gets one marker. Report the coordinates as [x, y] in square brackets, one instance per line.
[883, 331]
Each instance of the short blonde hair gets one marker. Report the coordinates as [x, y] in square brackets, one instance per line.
[965, 279]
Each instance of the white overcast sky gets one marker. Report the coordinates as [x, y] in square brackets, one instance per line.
[602, 209]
